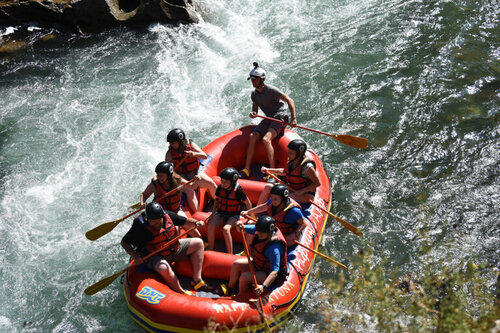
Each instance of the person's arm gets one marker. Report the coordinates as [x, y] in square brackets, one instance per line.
[273, 253]
[168, 157]
[255, 210]
[182, 221]
[146, 194]
[274, 171]
[293, 216]
[215, 207]
[255, 109]
[291, 107]
[248, 203]
[302, 225]
[190, 222]
[130, 242]
[196, 152]
[131, 251]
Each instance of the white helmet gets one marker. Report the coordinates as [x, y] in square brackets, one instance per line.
[257, 72]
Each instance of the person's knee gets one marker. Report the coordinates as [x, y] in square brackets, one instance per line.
[163, 266]
[254, 137]
[196, 244]
[267, 140]
[240, 263]
[227, 229]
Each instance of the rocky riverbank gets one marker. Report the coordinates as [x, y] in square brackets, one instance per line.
[95, 15]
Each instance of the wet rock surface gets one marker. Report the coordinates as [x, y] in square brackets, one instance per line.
[95, 15]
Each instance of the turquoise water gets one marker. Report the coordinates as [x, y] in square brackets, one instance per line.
[83, 121]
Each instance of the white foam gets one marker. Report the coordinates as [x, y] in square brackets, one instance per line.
[8, 31]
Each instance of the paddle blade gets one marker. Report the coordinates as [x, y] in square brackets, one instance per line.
[333, 261]
[353, 141]
[348, 226]
[135, 206]
[96, 287]
[102, 230]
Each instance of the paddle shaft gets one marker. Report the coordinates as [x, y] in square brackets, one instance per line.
[105, 228]
[252, 270]
[350, 140]
[310, 249]
[346, 224]
[180, 163]
[298, 126]
[173, 190]
[322, 255]
[103, 283]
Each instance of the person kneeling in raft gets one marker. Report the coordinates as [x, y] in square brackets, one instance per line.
[185, 155]
[285, 211]
[268, 251]
[230, 200]
[154, 228]
[300, 174]
[166, 180]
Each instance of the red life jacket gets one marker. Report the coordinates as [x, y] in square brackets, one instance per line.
[190, 164]
[171, 202]
[294, 177]
[286, 228]
[228, 203]
[161, 237]
[261, 262]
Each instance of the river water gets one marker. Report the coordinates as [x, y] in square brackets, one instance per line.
[83, 121]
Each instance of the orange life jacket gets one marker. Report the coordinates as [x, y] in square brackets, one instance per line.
[294, 178]
[161, 237]
[228, 203]
[189, 165]
[171, 202]
[261, 262]
[286, 228]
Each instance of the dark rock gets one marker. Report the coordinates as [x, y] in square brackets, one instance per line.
[95, 15]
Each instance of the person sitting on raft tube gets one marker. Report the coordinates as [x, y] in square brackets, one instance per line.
[154, 228]
[285, 211]
[229, 202]
[165, 181]
[185, 156]
[268, 250]
[300, 174]
[270, 100]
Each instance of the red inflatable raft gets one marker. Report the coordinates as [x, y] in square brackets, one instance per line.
[156, 308]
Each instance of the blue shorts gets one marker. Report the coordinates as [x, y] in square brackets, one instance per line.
[226, 217]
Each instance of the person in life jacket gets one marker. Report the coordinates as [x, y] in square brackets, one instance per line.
[164, 182]
[300, 174]
[272, 102]
[185, 155]
[285, 211]
[151, 230]
[268, 250]
[230, 201]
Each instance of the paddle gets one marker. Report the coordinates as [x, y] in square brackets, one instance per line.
[252, 270]
[310, 249]
[98, 286]
[353, 141]
[322, 255]
[138, 204]
[105, 228]
[346, 224]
